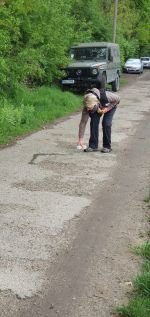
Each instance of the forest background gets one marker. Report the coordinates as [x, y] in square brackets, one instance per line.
[35, 36]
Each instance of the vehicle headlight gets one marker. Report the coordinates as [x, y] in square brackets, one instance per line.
[94, 71]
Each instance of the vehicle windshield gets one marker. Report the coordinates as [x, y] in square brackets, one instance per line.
[133, 62]
[88, 53]
[145, 58]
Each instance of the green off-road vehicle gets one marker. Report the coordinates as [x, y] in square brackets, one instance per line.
[93, 65]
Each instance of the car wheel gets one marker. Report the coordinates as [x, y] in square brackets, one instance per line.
[116, 83]
[103, 82]
[98, 85]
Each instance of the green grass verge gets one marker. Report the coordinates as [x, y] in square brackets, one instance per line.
[31, 109]
[143, 250]
[147, 200]
[139, 305]
[123, 82]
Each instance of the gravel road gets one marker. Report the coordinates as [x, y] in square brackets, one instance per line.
[68, 217]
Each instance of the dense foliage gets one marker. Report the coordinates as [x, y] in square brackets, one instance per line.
[35, 35]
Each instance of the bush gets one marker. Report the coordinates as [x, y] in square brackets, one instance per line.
[12, 117]
[34, 108]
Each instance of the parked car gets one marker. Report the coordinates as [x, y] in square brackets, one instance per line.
[133, 65]
[93, 64]
[146, 62]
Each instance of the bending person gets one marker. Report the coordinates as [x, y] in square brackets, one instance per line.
[97, 103]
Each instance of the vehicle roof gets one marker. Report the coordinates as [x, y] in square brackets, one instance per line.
[90, 44]
[144, 57]
[132, 59]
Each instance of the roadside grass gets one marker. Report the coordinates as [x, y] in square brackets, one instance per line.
[123, 82]
[139, 305]
[31, 109]
[143, 250]
[147, 200]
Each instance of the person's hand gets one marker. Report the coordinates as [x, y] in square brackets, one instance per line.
[104, 110]
[99, 111]
[81, 145]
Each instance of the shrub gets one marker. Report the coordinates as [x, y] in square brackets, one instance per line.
[12, 117]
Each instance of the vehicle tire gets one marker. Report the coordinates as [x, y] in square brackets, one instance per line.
[116, 83]
[98, 85]
[103, 82]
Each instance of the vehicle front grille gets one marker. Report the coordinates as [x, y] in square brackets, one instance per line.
[78, 72]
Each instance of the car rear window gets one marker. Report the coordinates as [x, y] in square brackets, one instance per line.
[145, 58]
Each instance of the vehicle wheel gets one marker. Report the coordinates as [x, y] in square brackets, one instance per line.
[116, 83]
[98, 85]
[103, 82]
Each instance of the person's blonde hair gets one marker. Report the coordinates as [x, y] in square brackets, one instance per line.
[89, 101]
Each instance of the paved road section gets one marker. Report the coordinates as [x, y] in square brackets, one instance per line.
[54, 203]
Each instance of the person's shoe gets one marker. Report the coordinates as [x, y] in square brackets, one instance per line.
[90, 149]
[106, 150]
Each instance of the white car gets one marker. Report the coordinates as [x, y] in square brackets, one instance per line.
[133, 65]
[146, 62]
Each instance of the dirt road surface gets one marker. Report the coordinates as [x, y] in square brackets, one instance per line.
[68, 217]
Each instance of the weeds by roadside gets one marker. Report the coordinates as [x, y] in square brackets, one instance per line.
[30, 109]
[139, 306]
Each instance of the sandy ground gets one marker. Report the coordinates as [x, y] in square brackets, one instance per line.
[68, 217]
